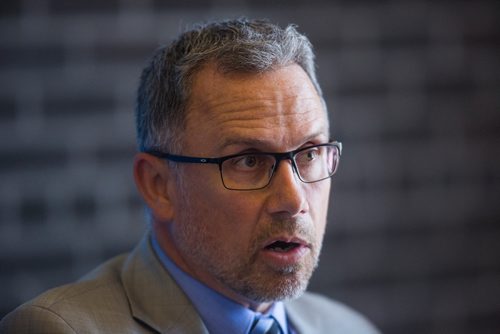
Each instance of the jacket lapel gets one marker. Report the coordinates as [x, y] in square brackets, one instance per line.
[297, 319]
[155, 299]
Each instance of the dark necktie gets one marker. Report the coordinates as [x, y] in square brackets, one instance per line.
[265, 325]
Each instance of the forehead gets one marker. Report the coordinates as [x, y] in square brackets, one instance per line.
[279, 107]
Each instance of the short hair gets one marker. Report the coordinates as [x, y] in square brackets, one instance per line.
[239, 45]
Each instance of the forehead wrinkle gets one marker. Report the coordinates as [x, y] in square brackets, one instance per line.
[267, 120]
[244, 134]
[255, 109]
[239, 127]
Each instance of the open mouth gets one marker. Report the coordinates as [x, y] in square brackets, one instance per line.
[285, 251]
[282, 246]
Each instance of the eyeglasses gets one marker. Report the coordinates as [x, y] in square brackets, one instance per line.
[253, 171]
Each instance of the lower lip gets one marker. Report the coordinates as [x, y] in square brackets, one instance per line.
[287, 258]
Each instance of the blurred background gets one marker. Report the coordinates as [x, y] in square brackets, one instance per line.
[413, 240]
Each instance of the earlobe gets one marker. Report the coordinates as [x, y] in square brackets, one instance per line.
[153, 178]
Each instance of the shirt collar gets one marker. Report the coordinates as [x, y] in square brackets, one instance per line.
[219, 313]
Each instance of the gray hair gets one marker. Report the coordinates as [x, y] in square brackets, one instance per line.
[240, 45]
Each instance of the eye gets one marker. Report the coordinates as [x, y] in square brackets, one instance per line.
[247, 162]
[311, 154]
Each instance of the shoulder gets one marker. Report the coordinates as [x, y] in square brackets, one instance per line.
[314, 313]
[103, 284]
[64, 309]
[30, 318]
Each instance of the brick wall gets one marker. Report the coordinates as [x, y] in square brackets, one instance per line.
[414, 89]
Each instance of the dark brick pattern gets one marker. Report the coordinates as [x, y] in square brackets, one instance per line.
[414, 90]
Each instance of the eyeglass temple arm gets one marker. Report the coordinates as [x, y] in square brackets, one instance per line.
[179, 158]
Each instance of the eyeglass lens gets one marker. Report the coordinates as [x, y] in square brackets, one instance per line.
[254, 171]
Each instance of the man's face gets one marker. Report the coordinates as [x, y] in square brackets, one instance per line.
[226, 238]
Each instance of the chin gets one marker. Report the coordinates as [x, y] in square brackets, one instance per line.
[287, 284]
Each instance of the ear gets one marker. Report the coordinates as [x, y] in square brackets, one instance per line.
[155, 183]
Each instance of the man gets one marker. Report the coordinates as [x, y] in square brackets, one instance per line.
[234, 166]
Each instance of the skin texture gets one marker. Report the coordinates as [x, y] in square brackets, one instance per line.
[217, 235]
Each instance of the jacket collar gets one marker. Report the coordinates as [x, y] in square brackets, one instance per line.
[155, 299]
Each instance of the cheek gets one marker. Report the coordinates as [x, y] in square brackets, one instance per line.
[318, 197]
[240, 214]
[318, 204]
[227, 213]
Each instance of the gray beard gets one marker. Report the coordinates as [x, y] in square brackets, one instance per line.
[254, 280]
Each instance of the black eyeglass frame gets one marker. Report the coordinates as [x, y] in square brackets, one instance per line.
[290, 155]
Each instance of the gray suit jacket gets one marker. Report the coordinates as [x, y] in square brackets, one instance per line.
[134, 294]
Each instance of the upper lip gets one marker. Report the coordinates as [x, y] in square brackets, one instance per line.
[289, 239]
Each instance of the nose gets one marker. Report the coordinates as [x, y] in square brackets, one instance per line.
[286, 192]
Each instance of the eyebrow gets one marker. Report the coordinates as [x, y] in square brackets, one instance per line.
[257, 142]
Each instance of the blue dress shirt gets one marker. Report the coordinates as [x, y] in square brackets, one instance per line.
[219, 313]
